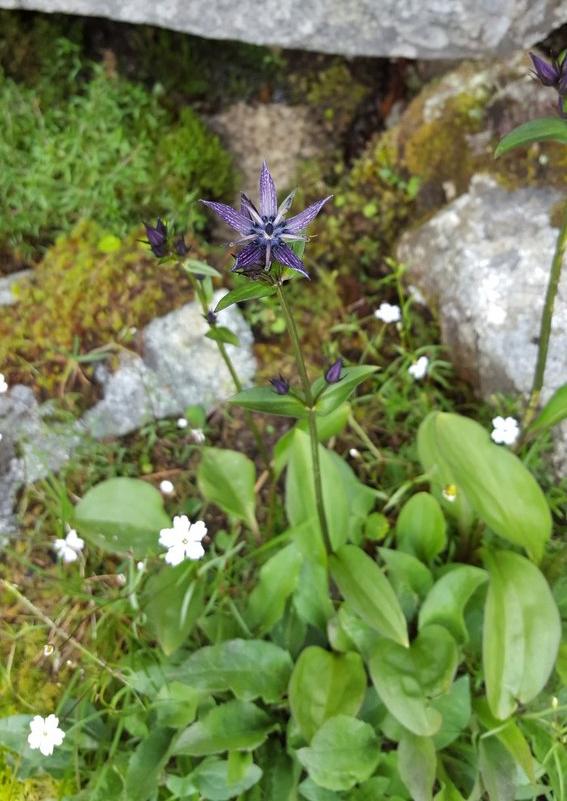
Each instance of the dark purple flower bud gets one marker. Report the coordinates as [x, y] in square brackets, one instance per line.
[211, 317]
[157, 238]
[333, 374]
[180, 247]
[280, 385]
[548, 74]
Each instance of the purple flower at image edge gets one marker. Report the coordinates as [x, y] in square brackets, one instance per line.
[280, 385]
[265, 232]
[553, 73]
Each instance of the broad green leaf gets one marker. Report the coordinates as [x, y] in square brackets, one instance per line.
[371, 790]
[312, 792]
[122, 515]
[522, 632]
[417, 763]
[554, 411]
[267, 400]
[543, 129]
[211, 780]
[329, 426]
[361, 499]
[173, 602]
[364, 637]
[236, 725]
[324, 685]
[281, 774]
[409, 577]
[278, 580]
[497, 770]
[251, 290]
[197, 267]
[300, 490]
[344, 752]
[406, 678]
[331, 396]
[455, 708]
[311, 597]
[421, 529]
[510, 735]
[146, 764]
[176, 705]
[368, 592]
[446, 601]
[227, 479]
[220, 333]
[497, 484]
[248, 668]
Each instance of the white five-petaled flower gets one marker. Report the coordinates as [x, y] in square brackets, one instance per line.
[3, 384]
[418, 369]
[388, 313]
[45, 734]
[68, 549]
[182, 422]
[506, 430]
[183, 541]
[166, 487]
[198, 435]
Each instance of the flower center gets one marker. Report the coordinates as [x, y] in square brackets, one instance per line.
[185, 541]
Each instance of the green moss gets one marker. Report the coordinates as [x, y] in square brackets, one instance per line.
[89, 290]
[37, 789]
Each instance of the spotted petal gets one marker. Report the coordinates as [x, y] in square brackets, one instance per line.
[286, 256]
[302, 220]
[234, 218]
[268, 197]
[251, 255]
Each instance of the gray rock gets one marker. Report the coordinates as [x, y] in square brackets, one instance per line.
[8, 284]
[410, 28]
[483, 263]
[180, 367]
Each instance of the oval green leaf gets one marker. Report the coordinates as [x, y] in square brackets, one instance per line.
[236, 725]
[330, 396]
[421, 529]
[554, 411]
[267, 401]
[544, 129]
[445, 604]
[227, 479]
[173, 602]
[248, 291]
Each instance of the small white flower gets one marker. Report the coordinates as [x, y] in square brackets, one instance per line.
[166, 487]
[449, 492]
[506, 430]
[45, 734]
[354, 453]
[182, 423]
[198, 435]
[183, 541]
[141, 566]
[3, 384]
[388, 313]
[69, 549]
[418, 369]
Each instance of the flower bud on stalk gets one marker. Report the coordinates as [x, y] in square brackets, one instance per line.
[333, 374]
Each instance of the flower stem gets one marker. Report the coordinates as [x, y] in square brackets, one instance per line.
[546, 321]
[312, 415]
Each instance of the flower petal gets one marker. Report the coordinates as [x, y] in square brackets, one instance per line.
[284, 207]
[252, 254]
[268, 197]
[198, 531]
[247, 207]
[194, 550]
[302, 220]
[547, 73]
[175, 555]
[168, 537]
[286, 256]
[234, 218]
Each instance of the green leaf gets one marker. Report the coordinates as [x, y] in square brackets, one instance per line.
[333, 395]
[455, 708]
[324, 685]
[368, 592]
[409, 577]
[146, 764]
[281, 774]
[252, 290]
[122, 515]
[417, 763]
[173, 602]
[360, 634]
[278, 580]
[446, 602]
[509, 735]
[497, 484]
[211, 780]
[196, 267]
[497, 770]
[227, 479]
[522, 632]
[421, 529]
[312, 792]
[267, 401]
[300, 501]
[176, 705]
[544, 129]
[248, 668]
[554, 411]
[329, 426]
[406, 678]
[220, 333]
[344, 751]
[236, 725]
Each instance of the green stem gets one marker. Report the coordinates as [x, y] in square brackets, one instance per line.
[546, 321]
[357, 428]
[312, 416]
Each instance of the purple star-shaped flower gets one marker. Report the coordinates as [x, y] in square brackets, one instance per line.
[265, 232]
[553, 74]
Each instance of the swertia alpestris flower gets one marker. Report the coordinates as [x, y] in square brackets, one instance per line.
[265, 232]
[553, 74]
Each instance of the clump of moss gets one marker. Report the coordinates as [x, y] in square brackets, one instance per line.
[37, 789]
[90, 290]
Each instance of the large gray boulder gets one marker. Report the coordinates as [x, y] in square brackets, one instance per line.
[409, 28]
[483, 263]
